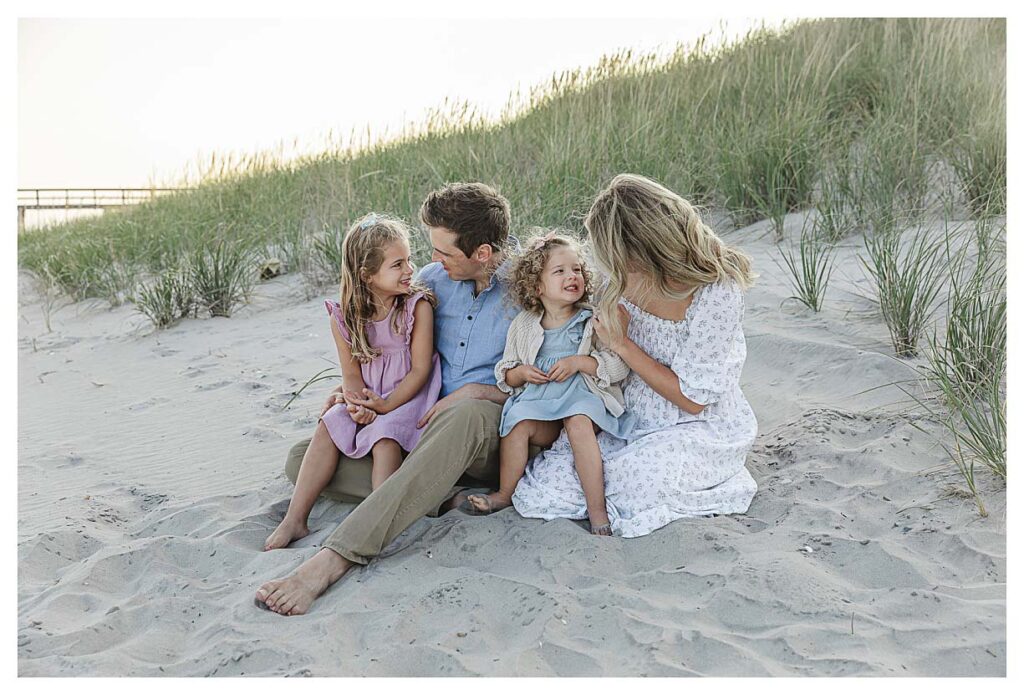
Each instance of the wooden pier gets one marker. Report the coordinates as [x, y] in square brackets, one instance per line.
[84, 199]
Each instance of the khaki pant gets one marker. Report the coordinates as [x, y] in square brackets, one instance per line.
[458, 449]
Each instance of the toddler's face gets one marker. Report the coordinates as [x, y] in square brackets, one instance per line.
[395, 274]
[562, 277]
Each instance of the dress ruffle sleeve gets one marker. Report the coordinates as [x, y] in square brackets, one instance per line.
[710, 359]
[334, 310]
[410, 314]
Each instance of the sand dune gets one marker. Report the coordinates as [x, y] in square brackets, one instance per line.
[150, 470]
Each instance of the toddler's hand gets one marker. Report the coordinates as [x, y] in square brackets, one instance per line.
[532, 375]
[563, 369]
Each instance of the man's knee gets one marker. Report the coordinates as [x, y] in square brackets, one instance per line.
[470, 416]
[294, 462]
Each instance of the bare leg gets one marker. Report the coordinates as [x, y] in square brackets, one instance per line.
[514, 456]
[587, 457]
[318, 466]
[294, 594]
[387, 457]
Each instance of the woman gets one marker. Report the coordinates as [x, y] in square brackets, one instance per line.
[679, 328]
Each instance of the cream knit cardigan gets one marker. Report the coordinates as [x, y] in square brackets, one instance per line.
[526, 335]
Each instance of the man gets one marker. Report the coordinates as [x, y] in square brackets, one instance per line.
[469, 227]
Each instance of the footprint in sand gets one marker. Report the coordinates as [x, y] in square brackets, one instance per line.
[148, 403]
[213, 385]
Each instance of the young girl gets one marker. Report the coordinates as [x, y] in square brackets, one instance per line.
[679, 327]
[390, 373]
[557, 374]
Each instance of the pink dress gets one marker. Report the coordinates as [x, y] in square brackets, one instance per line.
[381, 376]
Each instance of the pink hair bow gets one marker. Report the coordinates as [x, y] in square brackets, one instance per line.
[538, 242]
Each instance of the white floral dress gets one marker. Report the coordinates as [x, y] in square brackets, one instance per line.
[674, 465]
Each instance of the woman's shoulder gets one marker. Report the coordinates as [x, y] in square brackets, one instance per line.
[723, 293]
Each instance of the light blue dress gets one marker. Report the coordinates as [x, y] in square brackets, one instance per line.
[556, 400]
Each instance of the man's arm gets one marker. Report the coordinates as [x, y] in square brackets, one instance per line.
[482, 392]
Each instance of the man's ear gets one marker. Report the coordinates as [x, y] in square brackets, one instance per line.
[483, 253]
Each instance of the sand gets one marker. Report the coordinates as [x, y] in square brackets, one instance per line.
[150, 471]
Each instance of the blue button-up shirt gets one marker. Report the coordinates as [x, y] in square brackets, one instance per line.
[469, 329]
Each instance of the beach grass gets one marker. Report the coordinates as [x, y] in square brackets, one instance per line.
[810, 262]
[908, 271]
[759, 126]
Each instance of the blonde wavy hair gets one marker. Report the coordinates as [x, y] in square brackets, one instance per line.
[362, 254]
[638, 225]
[528, 265]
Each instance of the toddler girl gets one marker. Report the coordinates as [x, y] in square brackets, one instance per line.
[390, 373]
[557, 374]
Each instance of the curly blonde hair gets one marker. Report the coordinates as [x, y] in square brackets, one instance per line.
[362, 255]
[528, 266]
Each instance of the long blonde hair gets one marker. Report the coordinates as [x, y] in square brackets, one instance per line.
[362, 254]
[638, 225]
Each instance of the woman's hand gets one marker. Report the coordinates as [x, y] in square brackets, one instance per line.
[601, 328]
[529, 374]
[564, 368]
[369, 400]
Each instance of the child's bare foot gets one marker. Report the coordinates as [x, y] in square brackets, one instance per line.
[600, 525]
[488, 504]
[286, 532]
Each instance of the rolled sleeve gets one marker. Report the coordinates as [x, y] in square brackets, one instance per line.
[710, 360]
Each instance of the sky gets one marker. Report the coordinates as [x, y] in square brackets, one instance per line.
[134, 102]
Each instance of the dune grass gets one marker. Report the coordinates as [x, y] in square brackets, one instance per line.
[810, 262]
[908, 272]
[751, 126]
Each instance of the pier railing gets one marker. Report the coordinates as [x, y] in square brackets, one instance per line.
[84, 198]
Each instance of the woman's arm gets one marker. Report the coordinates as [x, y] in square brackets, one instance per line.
[663, 380]
[659, 377]
[422, 351]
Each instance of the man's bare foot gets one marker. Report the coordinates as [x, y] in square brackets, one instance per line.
[286, 532]
[488, 504]
[295, 594]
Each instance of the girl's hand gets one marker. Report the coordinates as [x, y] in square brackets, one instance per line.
[334, 399]
[361, 415]
[601, 328]
[369, 400]
[531, 374]
[564, 368]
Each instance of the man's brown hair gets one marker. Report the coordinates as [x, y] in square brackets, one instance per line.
[476, 213]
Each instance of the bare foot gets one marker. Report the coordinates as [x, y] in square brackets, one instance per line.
[452, 502]
[295, 594]
[286, 532]
[488, 504]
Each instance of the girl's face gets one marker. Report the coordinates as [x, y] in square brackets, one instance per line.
[395, 274]
[562, 277]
